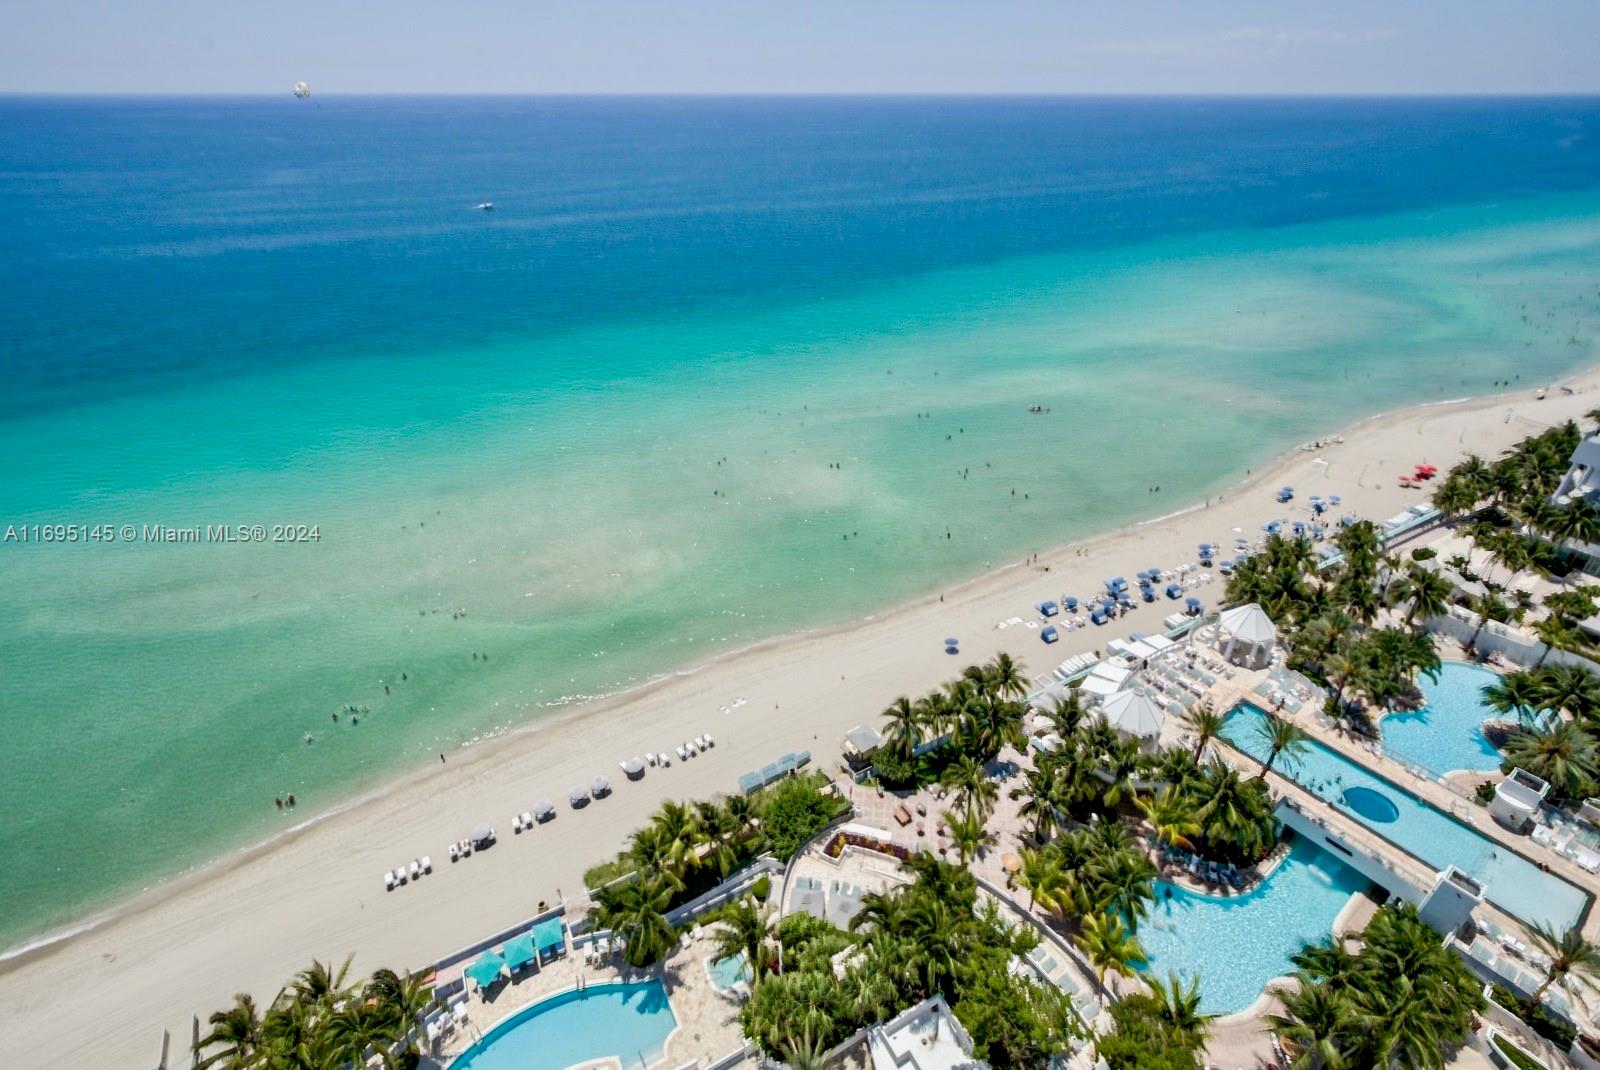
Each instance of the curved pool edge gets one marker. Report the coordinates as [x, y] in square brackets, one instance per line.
[610, 1062]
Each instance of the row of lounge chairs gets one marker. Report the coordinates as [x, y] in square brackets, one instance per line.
[1220, 874]
[690, 748]
[1060, 975]
[402, 874]
[1565, 843]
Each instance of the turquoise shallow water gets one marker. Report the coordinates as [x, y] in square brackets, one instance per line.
[593, 434]
[1447, 733]
[1509, 880]
[1234, 945]
[628, 1021]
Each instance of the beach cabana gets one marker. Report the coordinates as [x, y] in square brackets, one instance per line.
[486, 969]
[578, 796]
[1193, 605]
[1048, 609]
[1049, 635]
[1246, 636]
[1071, 602]
[1174, 590]
[550, 937]
[544, 810]
[1106, 670]
[1134, 714]
[519, 951]
[600, 787]
[1099, 686]
[862, 739]
[482, 833]
[633, 768]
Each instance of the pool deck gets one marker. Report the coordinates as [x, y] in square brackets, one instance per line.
[708, 1020]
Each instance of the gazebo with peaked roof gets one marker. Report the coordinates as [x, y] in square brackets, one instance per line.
[1135, 714]
[1246, 636]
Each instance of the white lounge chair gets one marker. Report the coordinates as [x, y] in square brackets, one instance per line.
[650, 757]
[427, 863]
[516, 823]
[416, 868]
[683, 755]
[388, 880]
[662, 759]
[400, 873]
[455, 853]
[527, 819]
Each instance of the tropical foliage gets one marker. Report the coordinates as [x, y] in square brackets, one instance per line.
[924, 938]
[687, 849]
[966, 722]
[1404, 1001]
[320, 1021]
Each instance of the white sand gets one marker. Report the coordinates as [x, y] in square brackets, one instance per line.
[101, 999]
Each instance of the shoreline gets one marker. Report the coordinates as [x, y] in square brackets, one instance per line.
[244, 921]
[559, 715]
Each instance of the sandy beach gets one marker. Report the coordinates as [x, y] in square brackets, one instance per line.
[102, 997]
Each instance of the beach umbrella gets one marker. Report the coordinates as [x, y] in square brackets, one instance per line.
[599, 786]
[633, 767]
[520, 951]
[1071, 602]
[1192, 602]
[544, 808]
[578, 795]
[482, 832]
[486, 969]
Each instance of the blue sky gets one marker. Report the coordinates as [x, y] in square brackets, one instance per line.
[848, 46]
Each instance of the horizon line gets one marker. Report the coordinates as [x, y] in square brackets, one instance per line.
[1579, 94]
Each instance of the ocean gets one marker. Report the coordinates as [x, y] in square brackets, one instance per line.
[710, 370]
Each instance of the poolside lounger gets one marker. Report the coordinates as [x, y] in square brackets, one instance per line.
[662, 759]
[527, 819]
[400, 873]
[516, 823]
[388, 880]
[416, 869]
[427, 863]
[710, 740]
[455, 853]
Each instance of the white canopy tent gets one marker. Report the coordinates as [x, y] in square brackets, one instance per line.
[1099, 686]
[1135, 714]
[1246, 636]
[1108, 671]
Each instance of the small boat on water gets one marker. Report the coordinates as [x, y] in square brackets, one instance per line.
[486, 206]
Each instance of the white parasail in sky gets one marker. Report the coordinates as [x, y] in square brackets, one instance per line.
[302, 90]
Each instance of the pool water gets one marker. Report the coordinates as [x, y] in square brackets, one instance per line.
[630, 1022]
[729, 973]
[1447, 733]
[1510, 881]
[1235, 945]
[1371, 805]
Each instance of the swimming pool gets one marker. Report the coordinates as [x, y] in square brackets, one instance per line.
[728, 973]
[1510, 881]
[1235, 945]
[628, 1021]
[1447, 733]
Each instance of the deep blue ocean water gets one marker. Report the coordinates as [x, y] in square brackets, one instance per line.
[602, 418]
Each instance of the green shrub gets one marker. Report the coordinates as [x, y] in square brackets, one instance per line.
[1522, 1061]
[762, 889]
[1424, 553]
[792, 813]
[1485, 793]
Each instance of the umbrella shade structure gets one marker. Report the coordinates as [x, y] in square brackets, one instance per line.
[578, 795]
[600, 786]
[1174, 590]
[863, 739]
[544, 809]
[549, 936]
[1192, 602]
[1048, 609]
[486, 969]
[482, 832]
[1246, 635]
[519, 951]
[950, 641]
[1049, 635]
[633, 767]
[1071, 602]
[1134, 714]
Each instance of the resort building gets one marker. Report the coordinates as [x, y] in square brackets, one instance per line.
[1582, 485]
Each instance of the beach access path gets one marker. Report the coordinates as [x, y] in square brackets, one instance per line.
[102, 997]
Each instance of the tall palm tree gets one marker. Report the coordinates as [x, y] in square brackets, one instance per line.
[636, 911]
[1318, 1026]
[1488, 606]
[1206, 724]
[1111, 948]
[1124, 885]
[1571, 955]
[1179, 1006]
[905, 727]
[1556, 633]
[402, 998]
[357, 1028]
[322, 985]
[1005, 676]
[656, 853]
[967, 832]
[235, 1033]
[1562, 755]
[1283, 738]
[1042, 875]
[1429, 592]
[679, 826]
[742, 930]
[1171, 815]
[1518, 693]
[974, 789]
[1042, 799]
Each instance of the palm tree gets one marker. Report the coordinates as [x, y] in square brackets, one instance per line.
[973, 787]
[1518, 693]
[321, 985]
[1282, 738]
[636, 911]
[1110, 947]
[1179, 1007]
[1206, 724]
[1556, 633]
[1562, 755]
[679, 826]
[742, 930]
[968, 834]
[1430, 594]
[1171, 815]
[1487, 606]
[1005, 677]
[1042, 875]
[356, 1029]
[237, 1031]
[1042, 799]
[403, 998]
[1318, 1025]
[905, 727]
[1570, 956]
[655, 852]
[1124, 885]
